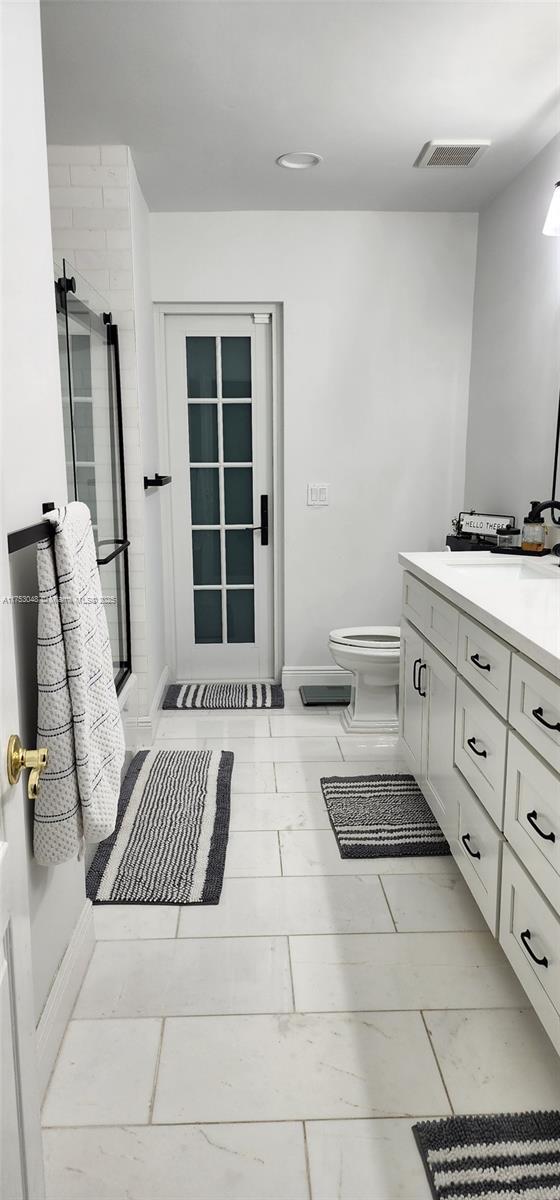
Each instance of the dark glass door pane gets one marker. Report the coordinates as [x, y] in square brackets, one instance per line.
[208, 617]
[238, 495]
[236, 367]
[241, 615]
[206, 556]
[239, 556]
[203, 432]
[238, 436]
[201, 368]
[205, 496]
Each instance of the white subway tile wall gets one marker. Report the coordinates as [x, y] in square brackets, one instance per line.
[91, 227]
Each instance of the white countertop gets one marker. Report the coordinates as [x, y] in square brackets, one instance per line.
[517, 598]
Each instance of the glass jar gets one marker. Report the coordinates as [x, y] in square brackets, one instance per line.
[533, 536]
[508, 538]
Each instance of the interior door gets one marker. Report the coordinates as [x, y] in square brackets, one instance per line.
[219, 399]
[21, 1166]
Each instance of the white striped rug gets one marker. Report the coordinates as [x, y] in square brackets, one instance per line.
[170, 841]
[492, 1158]
[223, 695]
[381, 816]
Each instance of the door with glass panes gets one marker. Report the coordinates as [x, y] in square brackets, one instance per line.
[219, 394]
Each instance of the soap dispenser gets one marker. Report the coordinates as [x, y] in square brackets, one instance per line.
[532, 539]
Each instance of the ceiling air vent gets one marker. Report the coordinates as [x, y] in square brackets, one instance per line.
[442, 153]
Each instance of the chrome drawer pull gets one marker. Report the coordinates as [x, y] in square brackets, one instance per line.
[481, 666]
[465, 840]
[525, 938]
[532, 819]
[538, 715]
[472, 743]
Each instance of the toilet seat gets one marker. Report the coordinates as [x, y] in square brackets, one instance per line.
[368, 637]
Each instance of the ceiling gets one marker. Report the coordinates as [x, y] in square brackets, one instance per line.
[208, 93]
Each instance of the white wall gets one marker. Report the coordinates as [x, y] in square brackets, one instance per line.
[151, 460]
[515, 372]
[377, 334]
[32, 445]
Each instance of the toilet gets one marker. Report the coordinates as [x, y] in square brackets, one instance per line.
[372, 654]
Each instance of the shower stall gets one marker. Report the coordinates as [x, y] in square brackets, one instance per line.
[88, 341]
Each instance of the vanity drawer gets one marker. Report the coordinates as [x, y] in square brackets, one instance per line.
[532, 816]
[433, 616]
[485, 661]
[530, 936]
[477, 852]
[534, 708]
[480, 749]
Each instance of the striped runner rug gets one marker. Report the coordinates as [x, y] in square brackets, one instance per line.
[169, 844]
[492, 1158]
[381, 816]
[224, 695]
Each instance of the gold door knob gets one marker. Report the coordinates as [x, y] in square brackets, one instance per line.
[19, 760]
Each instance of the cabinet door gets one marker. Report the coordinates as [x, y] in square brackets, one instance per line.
[411, 703]
[442, 780]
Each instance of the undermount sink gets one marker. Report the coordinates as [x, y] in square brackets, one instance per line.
[511, 569]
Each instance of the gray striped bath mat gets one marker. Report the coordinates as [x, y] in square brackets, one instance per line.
[224, 695]
[169, 845]
[492, 1158]
[381, 816]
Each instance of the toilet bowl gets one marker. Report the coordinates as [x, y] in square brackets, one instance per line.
[372, 655]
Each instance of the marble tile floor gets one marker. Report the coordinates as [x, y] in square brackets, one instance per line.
[280, 1045]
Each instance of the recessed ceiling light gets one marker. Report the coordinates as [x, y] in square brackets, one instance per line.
[298, 160]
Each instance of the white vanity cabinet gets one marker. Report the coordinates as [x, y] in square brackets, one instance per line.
[480, 731]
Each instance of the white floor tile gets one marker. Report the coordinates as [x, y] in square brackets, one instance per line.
[104, 1074]
[306, 776]
[432, 902]
[402, 971]
[214, 1162]
[364, 1160]
[279, 810]
[213, 724]
[117, 921]
[500, 1061]
[384, 753]
[253, 777]
[315, 852]
[294, 1067]
[279, 749]
[311, 724]
[297, 905]
[187, 976]
[252, 854]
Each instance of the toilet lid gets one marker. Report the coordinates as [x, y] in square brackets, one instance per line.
[379, 637]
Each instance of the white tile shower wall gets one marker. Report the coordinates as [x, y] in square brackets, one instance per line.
[93, 191]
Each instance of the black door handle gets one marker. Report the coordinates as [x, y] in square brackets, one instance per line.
[526, 938]
[421, 668]
[532, 819]
[465, 840]
[415, 664]
[472, 743]
[263, 527]
[538, 715]
[481, 666]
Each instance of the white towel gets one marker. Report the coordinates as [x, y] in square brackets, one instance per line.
[78, 713]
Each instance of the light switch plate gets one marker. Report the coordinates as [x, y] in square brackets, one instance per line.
[317, 494]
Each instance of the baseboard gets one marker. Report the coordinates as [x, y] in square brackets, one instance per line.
[147, 724]
[331, 676]
[62, 996]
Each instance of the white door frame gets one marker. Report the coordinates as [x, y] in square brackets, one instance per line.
[162, 310]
